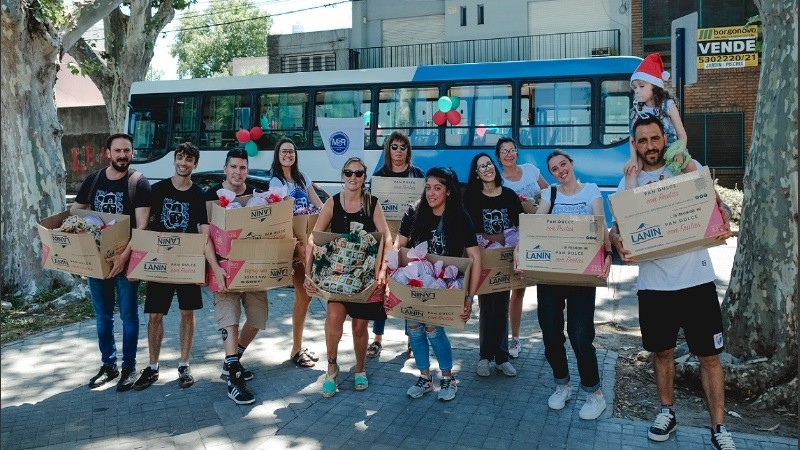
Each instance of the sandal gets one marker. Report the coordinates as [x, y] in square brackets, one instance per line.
[311, 355]
[374, 349]
[361, 382]
[329, 385]
[302, 359]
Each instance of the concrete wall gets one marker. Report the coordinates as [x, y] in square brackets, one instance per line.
[502, 18]
[369, 15]
[83, 143]
[327, 41]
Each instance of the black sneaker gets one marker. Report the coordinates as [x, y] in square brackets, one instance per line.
[185, 378]
[237, 390]
[106, 374]
[721, 439]
[663, 426]
[225, 375]
[127, 379]
[147, 378]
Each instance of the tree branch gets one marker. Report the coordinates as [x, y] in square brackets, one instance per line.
[87, 13]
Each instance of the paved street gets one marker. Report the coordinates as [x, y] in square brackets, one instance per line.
[46, 402]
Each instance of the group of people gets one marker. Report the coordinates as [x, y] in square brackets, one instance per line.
[674, 293]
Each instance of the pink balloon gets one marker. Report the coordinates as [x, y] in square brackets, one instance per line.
[454, 117]
[242, 136]
[256, 133]
[481, 130]
[439, 118]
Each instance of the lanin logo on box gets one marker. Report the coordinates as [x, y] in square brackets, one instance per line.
[251, 235]
[59, 261]
[498, 279]
[388, 206]
[169, 241]
[260, 214]
[423, 296]
[538, 254]
[61, 240]
[409, 311]
[645, 233]
[155, 266]
[279, 273]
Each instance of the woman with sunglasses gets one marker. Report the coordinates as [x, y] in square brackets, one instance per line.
[397, 164]
[493, 208]
[439, 219]
[353, 204]
[286, 172]
[526, 180]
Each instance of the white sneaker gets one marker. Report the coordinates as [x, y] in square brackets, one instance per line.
[560, 396]
[483, 369]
[507, 369]
[448, 386]
[514, 347]
[421, 387]
[594, 406]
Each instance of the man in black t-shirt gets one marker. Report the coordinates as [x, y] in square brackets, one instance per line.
[109, 190]
[178, 207]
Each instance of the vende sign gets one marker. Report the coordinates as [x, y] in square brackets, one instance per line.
[727, 47]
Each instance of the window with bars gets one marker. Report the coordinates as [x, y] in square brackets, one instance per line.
[317, 62]
[716, 139]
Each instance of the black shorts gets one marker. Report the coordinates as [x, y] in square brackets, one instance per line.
[695, 309]
[159, 297]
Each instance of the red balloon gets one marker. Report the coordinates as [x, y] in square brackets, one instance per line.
[454, 117]
[439, 118]
[256, 133]
[243, 136]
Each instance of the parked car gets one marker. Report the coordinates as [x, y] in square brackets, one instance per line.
[258, 178]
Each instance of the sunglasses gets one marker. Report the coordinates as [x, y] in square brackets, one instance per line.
[349, 173]
[399, 147]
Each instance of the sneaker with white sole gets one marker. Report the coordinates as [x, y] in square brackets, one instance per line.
[663, 426]
[237, 389]
[594, 406]
[483, 370]
[507, 369]
[422, 387]
[514, 347]
[448, 386]
[560, 397]
[721, 438]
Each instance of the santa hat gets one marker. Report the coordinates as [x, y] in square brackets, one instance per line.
[651, 70]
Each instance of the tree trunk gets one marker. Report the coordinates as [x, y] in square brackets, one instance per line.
[759, 307]
[33, 165]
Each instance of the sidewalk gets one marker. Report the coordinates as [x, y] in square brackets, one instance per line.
[46, 402]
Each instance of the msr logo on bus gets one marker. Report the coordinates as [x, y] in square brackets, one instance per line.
[339, 142]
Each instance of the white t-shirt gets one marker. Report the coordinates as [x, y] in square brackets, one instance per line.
[672, 273]
[580, 203]
[528, 183]
[300, 195]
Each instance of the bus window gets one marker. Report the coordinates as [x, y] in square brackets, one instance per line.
[282, 115]
[485, 109]
[148, 126]
[184, 120]
[615, 103]
[223, 116]
[409, 110]
[556, 114]
[341, 104]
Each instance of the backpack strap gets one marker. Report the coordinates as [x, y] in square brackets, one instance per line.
[552, 198]
[93, 186]
[133, 180]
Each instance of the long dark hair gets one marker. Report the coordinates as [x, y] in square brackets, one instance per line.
[474, 182]
[277, 168]
[424, 212]
[660, 96]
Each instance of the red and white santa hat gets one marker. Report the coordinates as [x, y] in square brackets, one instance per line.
[651, 70]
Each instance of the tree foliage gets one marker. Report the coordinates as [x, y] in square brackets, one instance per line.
[208, 41]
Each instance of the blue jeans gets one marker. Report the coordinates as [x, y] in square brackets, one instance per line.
[103, 293]
[579, 302]
[378, 327]
[493, 326]
[438, 339]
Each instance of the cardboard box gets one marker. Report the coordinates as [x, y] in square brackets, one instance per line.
[273, 221]
[168, 257]
[497, 269]
[562, 249]
[430, 306]
[322, 238]
[256, 265]
[395, 194]
[394, 227]
[303, 225]
[78, 253]
[669, 217]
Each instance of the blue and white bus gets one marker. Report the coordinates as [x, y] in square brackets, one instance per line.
[578, 105]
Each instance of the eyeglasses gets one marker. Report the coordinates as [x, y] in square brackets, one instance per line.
[399, 147]
[349, 173]
[508, 151]
[485, 166]
[287, 152]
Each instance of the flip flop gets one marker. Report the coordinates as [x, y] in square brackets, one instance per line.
[361, 382]
[374, 350]
[301, 359]
[311, 355]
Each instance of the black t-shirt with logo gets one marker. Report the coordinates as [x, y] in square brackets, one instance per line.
[442, 240]
[492, 215]
[111, 196]
[177, 211]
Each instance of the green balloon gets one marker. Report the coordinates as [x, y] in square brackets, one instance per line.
[367, 117]
[445, 104]
[456, 101]
[252, 148]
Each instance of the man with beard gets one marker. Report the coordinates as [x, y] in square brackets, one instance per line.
[677, 292]
[116, 189]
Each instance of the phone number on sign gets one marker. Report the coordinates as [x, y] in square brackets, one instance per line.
[727, 61]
